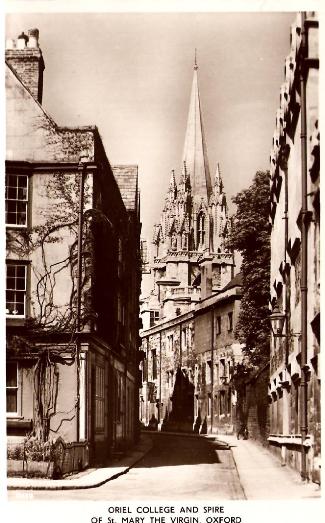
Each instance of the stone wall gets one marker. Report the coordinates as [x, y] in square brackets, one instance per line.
[258, 422]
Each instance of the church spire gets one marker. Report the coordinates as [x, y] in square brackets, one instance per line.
[218, 180]
[195, 151]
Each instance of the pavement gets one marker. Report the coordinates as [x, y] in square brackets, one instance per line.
[89, 478]
[262, 476]
[260, 473]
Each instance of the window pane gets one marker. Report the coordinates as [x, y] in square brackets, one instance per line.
[11, 376]
[11, 283]
[12, 193]
[11, 270]
[22, 193]
[20, 303]
[12, 400]
[20, 271]
[10, 296]
[22, 181]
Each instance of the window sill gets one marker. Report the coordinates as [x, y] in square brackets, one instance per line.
[15, 320]
[15, 227]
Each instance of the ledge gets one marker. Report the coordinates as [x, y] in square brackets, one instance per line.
[21, 423]
[288, 439]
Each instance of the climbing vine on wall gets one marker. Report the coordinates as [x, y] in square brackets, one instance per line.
[50, 315]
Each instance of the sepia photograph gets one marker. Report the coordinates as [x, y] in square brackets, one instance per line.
[162, 258]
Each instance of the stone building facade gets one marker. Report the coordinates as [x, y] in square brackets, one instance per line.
[191, 270]
[188, 363]
[294, 386]
[218, 352]
[73, 274]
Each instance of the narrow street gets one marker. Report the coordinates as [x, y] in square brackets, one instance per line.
[177, 468]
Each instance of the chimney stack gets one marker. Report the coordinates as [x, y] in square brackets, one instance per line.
[25, 57]
[206, 276]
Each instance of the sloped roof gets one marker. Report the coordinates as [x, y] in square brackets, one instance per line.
[127, 180]
[237, 281]
[32, 135]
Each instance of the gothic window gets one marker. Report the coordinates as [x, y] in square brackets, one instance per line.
[208, 372]
[209, 405]
[174, 242]
[218, 325]
[200, 229]
[230, 321]
[212, 232]
[222, 368]
[184, 241]
[154, 364]
[217, 373]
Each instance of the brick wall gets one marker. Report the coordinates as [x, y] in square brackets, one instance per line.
[29, 66]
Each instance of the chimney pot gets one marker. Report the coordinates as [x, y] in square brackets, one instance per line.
[32, 42]
[21, 43]
[23, 37]
[9, 43]
[34, 32]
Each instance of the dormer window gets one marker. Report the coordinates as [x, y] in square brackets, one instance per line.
[16, 200]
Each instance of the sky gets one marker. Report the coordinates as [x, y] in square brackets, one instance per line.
[131, 73]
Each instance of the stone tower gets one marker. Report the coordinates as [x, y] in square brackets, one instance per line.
[191, 260]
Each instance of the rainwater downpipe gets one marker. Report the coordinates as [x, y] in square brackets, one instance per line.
[82, 170]
[212, 368]
[160, 397]
[286, 238]
[304, 237]
[180, 345]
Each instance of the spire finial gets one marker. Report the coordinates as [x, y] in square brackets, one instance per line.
[195, 60]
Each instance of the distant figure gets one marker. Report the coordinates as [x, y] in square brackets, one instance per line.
[153, 423]
[243, 431]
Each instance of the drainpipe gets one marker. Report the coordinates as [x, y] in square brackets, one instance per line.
[304, 237]
[147, 378]
[286, 415]
[284, 167]
[82, 169]
[160, 397]
[180, 345]
[212, 368]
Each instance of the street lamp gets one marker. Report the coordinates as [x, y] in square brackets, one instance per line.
[277, 319]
